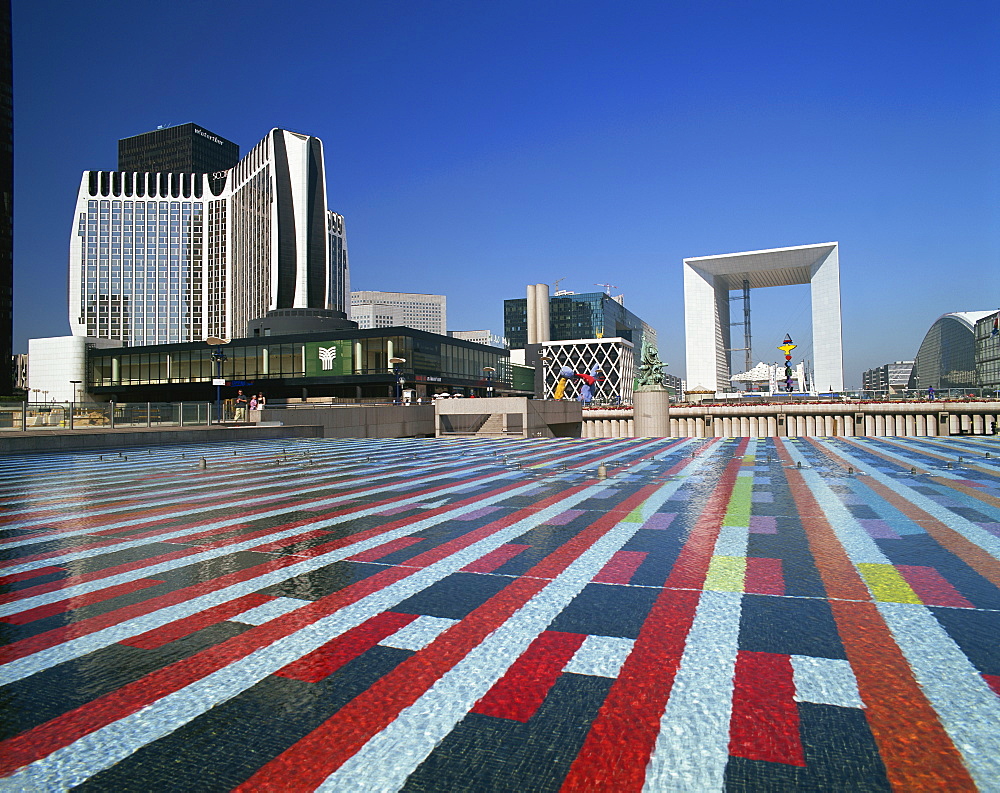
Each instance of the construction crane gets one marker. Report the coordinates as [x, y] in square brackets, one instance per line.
[607, 287]
[555, 286]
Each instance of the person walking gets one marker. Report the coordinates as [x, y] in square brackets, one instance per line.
[241, 406]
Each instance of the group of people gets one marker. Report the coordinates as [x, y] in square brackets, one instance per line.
[243, 402]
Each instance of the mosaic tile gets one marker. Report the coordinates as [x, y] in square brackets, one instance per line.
[424, 615]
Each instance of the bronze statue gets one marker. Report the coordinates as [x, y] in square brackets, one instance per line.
[650, 368]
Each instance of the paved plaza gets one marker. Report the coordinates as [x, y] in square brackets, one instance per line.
[487, 615]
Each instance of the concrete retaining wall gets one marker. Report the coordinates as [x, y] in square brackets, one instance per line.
[361, 421]
[80, 440]
[910, 419]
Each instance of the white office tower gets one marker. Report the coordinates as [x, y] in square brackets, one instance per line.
[487, 337]
[170, 257]
[401, 309]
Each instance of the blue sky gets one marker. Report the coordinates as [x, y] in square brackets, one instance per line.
[476, 147]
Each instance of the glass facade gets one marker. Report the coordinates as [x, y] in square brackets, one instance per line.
[947, 356]
[587, 316]
[142, 270]
[352, 355]
[987, 334]
[186, 148]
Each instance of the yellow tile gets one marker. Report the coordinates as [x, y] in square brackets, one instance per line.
[886, 584]
[726, 574]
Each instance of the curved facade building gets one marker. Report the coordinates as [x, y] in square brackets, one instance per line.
[947, 355]
[161, 258]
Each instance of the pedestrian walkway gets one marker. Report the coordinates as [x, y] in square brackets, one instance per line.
[476, 614]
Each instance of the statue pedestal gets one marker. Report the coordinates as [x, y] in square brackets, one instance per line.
[652, 412]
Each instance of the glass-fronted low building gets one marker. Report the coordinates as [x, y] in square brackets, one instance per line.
[353, 364]
[947, 355]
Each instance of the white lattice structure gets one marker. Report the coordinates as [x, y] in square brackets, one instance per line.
[615, 356]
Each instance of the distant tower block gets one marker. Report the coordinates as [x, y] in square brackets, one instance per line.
[708, 280]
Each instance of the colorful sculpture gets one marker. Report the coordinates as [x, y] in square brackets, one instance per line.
[586, 390]
[787, 348]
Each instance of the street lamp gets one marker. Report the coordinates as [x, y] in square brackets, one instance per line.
[218, 356]
[75, 383]
[488, 371]
[398, 372]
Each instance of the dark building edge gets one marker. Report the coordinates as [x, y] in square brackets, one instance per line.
[7, 199]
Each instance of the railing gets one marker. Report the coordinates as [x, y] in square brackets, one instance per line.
[32, 416]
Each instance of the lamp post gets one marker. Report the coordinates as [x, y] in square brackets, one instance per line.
[399, 377]
[75, 383]
[488, 371]
[219, 357]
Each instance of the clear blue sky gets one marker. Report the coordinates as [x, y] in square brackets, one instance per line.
[476, 147]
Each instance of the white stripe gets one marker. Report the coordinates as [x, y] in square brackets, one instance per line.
[692, 749]
[380, 765]
[857, 543]
[968, 708]
[418, 634]
[74, 648]
[825, 681]
[91, 754]
[600, 656]
[972, 532]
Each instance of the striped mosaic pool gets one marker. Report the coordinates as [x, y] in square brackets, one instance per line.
[720, 614]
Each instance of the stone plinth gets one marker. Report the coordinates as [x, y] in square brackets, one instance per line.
[652, 413]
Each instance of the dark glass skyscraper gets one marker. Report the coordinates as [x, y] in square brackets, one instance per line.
[6, 204]
[586, 316]
[186, 148]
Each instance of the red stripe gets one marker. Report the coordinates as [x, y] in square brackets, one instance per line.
[994, 681]
[185, 626]
[326, 660]
[78, 601]
[380, 551]
[917, 752]
[931, 587]
[39, 571]
[495, 559]
[765, 720]
[63, 730]
[73, 725]
[277, 545]
[107, 572]
[248, 515]
[764, 576]
[325, 749]
[48, 639]
[172, 516]
[520, 692]
[621, 739]
[621, 567]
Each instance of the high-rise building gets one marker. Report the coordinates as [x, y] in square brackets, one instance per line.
[168, 257]
[185, 148]
[404, 309]
[592, 315]
[6, 204]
